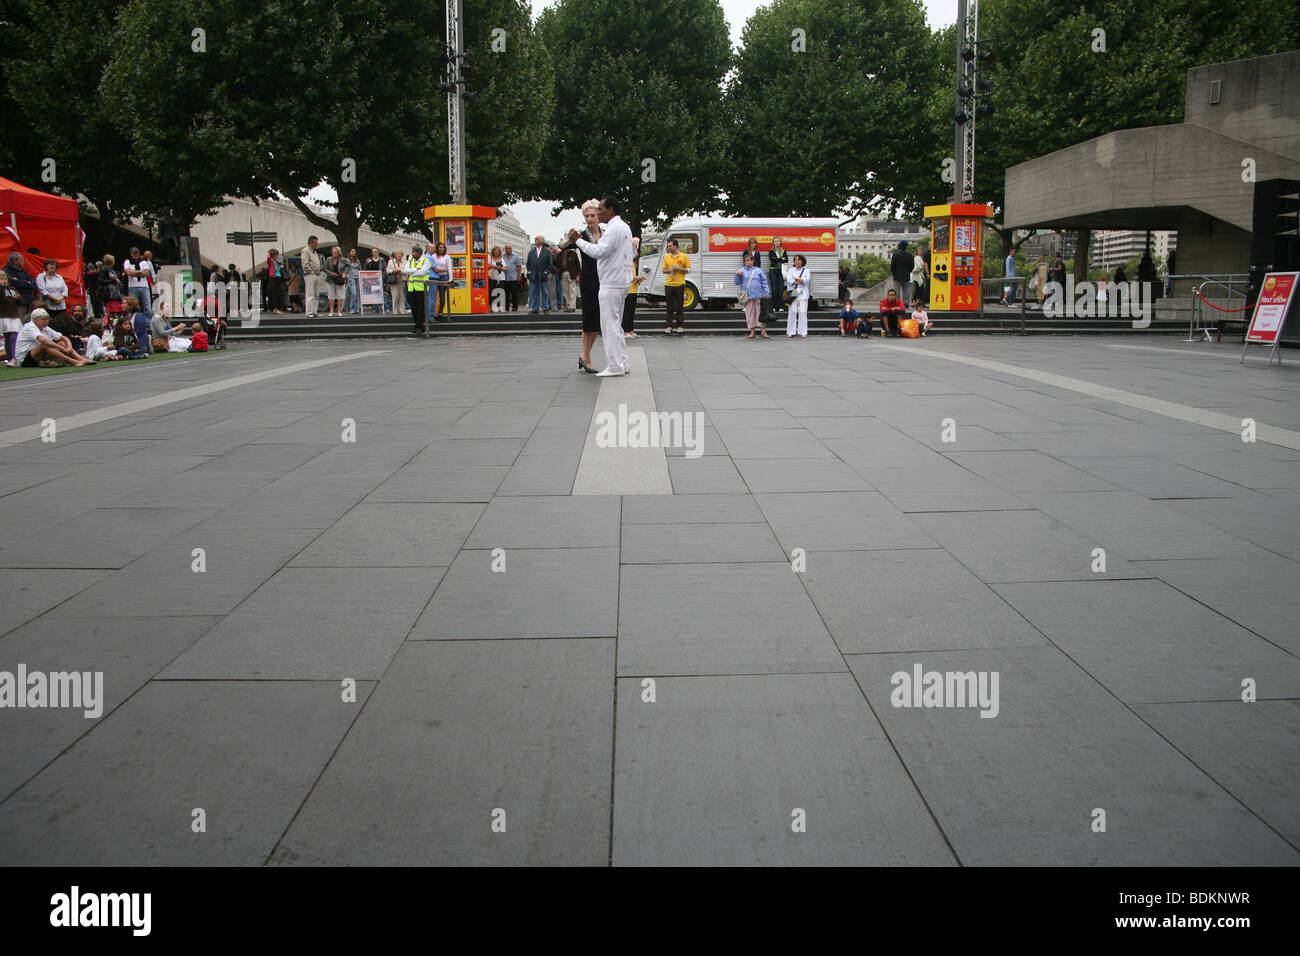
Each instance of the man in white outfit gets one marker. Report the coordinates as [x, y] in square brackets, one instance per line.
[312, 277]
[614, 255]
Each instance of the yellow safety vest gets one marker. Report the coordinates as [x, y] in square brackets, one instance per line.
[416, 283]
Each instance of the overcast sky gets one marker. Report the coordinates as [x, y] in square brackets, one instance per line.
[536, 216]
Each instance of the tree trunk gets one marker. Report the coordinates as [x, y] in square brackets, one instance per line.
[1081, 255]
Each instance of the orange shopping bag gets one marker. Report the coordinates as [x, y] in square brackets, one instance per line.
[909, 329]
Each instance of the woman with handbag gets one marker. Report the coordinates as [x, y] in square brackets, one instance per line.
[799, 280]
[753, 291]
[336, 280]
[275, 281]
[396, 281]
[778, 266]
[440, 273]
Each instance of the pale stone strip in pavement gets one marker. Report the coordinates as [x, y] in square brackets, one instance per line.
[623, 471]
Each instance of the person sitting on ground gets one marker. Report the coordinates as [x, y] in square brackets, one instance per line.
[124, 340]
[923, 322]
[63, 322]
[160, 326]
[96, 348]
[848, 317]
[865, 326]
[198, 339]
[891, 310]
[40, 346]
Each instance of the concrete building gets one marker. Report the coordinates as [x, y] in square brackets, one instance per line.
[1241, 125]
[507, 229]
[1113, 247]
[877, 237]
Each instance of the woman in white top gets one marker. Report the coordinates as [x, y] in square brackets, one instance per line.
[799, 281]
[53, 288]
[496, 279]
[397, 281]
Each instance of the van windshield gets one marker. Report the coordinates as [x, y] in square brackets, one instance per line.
[651, 247]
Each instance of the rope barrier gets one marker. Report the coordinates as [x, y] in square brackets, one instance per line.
[1218, 308]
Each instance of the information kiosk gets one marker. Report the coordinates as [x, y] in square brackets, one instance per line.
[956, 254]
[464, 230]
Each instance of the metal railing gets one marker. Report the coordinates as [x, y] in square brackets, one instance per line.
[1198, 327]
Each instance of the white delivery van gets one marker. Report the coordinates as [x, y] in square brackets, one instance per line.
[716, 248]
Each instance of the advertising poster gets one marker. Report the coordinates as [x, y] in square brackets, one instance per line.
[1270, 308]
[372, 287]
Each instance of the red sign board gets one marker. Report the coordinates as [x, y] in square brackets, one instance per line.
[1271, 307]
[793, 238]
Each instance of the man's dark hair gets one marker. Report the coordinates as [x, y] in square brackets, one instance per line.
[611, 204]
[311, 238]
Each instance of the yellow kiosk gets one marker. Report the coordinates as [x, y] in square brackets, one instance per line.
[956, 255]
[464, 230]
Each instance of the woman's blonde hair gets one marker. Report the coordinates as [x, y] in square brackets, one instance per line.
[590, 204]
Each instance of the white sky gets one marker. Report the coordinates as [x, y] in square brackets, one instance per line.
[536, 216]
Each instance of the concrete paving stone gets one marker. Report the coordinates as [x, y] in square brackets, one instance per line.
[940, 486]
[247, 754]
[965, 438]
[744, 419]
[153, 424]
[393, 535]
[1139, 528]
[542, 593]
[1259, 473]
[557, 440]
[567, 416]
[1148, 642]
[1249, 750]
[1155, 477]
[840, 521]
[1263, 519]
[1020, 789]
[441, 483]
[859, 427]
[1257, 593]
[882, 601]
[19, 477]
[1003, 422]
[79, 447]
[707, 475]
[313, 624]
[772, 443]
[469, 451]
[29, 593]
[103, 538]
[497, 420]
[794, 474]
[689, 509]
[1018, 471]
[719, 619]
[724, 401]
[1002, 546]
[127, 651]
[699, 543]
[590, 521]
[273, 459]
[1079, 441]
[712, 773]
[432, 758]
[706, 441]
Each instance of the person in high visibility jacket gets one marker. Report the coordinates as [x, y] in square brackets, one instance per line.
[417, 277]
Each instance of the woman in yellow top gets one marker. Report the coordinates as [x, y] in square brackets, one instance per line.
[629, 304]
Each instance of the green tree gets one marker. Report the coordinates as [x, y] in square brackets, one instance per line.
[640, 114]
[285, 96]
[870, 269]
[831, 110]
[1055, 87]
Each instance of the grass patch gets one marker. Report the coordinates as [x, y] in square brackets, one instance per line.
[8, 374]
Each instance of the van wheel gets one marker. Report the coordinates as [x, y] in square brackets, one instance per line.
[691, 298]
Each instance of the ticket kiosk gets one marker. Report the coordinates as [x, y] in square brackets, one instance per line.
[956, 254]
[464, 230]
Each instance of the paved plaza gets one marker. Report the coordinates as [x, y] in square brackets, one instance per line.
[962, 601]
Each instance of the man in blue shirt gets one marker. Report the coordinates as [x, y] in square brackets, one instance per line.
[513, 265]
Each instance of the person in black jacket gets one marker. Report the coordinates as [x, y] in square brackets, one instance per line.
[900, 269]
[777, 261]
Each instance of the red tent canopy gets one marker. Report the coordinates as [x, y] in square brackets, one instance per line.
[31, 219]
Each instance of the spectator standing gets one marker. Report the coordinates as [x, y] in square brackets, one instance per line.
[313, 275]
[676, 264]
[110, 287]
[295, 287]
[539, 274]
[920, 275]
[336, 276]
[514, 268]
[1040, 279]
[629, 301]
[396, 280]
[90, 278]
[416, 271]
[778, 265]
[1146, 275]
[11, 316]
[559, 276]
[800, 280]
[138, 270]
[900, 269]
[54, 291]
[1009, 270]
[374, 264]
[353, 287]
[275, 281]
[753, 283]
[1057, 274]
[496, 278]
[441, 273]
[571, 266]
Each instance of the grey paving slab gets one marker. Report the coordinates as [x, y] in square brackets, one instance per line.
[441, 483]
[719, 619]
[1021, 546]
[1265, 520]
[1155, 477]
[313, 624]
[882, 601]
[721, 401]
[963, 437]
[713, 772]
[273, 459]
[772, 443]
[432, 759]
[470, 451]
[800, 474]
[497, 420]
[699, 543]
[544, 475]
[591, 521]
[1018, 471]
[392, 535]
[1257, 593]
[98, 540]
[29, 593]
[126, 651]
[541, 593]
[245, 753]
[840, 521]
[1145, 641]
[1251, 750]
[688, 509]
[944, 487]
[1139, 528]
[556, 440]
[1020, 789]
[706, 475]
[744, 419]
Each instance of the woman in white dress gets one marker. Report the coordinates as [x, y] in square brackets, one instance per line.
[799, 281]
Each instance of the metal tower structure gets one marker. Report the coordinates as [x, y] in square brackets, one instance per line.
[455, 108]
[964, 141]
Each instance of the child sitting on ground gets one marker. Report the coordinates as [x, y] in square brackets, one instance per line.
[866, 325]
[198, 340]
[96, 348]
[848, 317]
[922, 317]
